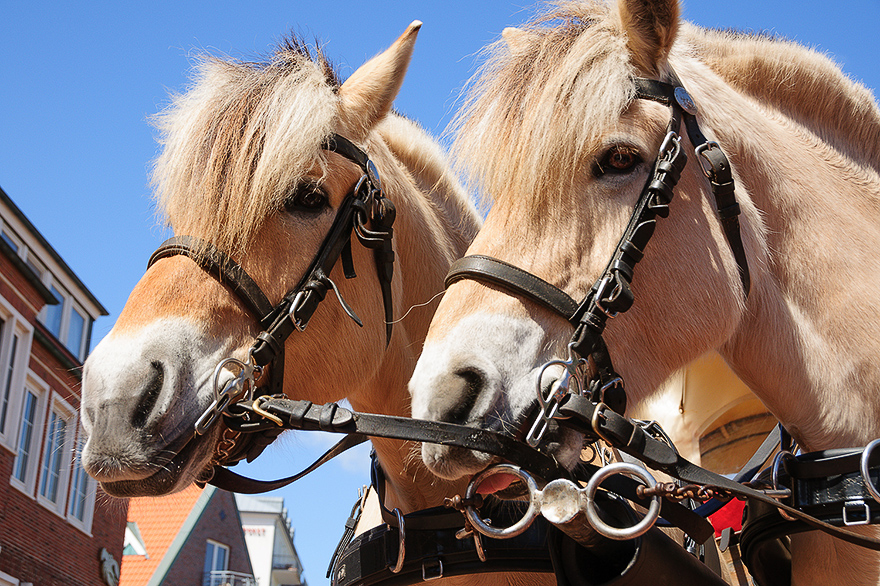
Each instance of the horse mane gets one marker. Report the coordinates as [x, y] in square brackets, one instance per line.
[240, 139]
[801, 83]
[531, 111]
[541, 97]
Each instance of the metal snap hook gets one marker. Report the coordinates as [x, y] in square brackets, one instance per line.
[620, 533]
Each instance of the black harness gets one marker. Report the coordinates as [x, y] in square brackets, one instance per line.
[368, 214]
[611, 294]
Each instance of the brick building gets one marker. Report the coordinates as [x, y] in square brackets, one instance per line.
[190, 538]
[56, 526]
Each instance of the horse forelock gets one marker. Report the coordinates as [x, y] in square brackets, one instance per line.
[239, 139]
[534, 109]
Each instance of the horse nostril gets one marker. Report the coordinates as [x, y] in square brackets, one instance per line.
[150, 395]
[473, 383]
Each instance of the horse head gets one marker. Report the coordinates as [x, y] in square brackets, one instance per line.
[246, 170]
[555, 132]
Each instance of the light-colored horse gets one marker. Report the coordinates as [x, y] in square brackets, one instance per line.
[241, 167]
[554, 134]
[239, 148]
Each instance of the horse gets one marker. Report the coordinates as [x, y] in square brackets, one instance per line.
[553, 130]
[245, 168]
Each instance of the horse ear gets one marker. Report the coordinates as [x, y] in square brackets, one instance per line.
[367, 95]
[650, 27]
[515, 39]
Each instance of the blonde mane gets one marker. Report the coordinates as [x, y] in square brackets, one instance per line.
[540, 105]
[803, 84]
[547, 95]
[240, 140]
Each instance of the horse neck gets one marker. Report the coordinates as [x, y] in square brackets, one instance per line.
[435, 224]
[804, 85]
[810, 330]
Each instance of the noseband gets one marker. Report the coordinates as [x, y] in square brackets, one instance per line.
[611, 294]
[366, 212]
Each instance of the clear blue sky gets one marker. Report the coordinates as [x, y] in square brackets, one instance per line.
[78, 81]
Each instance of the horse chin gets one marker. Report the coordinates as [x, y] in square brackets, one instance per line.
[190, 464]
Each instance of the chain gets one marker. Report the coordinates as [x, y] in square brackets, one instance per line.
[674, 492]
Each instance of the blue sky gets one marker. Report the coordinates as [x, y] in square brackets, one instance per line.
[80, 79]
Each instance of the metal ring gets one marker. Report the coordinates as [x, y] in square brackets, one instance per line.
[618, 533]
[520, 526]
[401, 548]
[866, 473]
[774, 471]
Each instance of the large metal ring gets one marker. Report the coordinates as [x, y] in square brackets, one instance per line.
[620, 533]
[866, 472]
[528, 518]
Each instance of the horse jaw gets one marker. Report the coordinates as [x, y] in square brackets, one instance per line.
[141, 398]
[481, 374]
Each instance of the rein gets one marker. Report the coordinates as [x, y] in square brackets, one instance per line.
[368, 214]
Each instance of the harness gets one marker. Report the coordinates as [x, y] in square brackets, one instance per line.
[368, 214]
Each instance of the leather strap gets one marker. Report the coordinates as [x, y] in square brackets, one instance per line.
[511, 278]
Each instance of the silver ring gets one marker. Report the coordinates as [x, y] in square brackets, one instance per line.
[866, 473]
[517, 528]
[620, 533]
[401, 548]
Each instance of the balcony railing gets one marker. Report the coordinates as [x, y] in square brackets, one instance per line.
[227, 578]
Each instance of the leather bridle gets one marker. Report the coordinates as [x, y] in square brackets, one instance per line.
[368, 214]
[611, 294]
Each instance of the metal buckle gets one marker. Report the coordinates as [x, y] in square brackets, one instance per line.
[598, 298]
[294, 305]
[401, 548]
[858, 508]
[709, 171]
[437, 570]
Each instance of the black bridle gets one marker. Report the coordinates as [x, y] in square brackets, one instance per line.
[368, 214]
[612, 294]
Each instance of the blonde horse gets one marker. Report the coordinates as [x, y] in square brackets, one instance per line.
[245, 167]
[553, 132]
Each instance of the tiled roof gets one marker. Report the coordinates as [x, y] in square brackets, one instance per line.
[159, 521]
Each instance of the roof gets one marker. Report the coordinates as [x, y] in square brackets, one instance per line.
[171, 518]
[5, 199]
[260, 504]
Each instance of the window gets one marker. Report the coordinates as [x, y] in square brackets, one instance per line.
[68, 322]
[15, 342]
[11, 240]
[76, 330]
[8, 379]
[81, 506]
[216, 563]
[27, 433]
[53, 313]
[55, 464]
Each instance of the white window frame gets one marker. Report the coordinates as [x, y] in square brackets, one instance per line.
[14, 324]
[40, 391]
[85, 524]
[217, 545]
[63, 409]
[67, 305]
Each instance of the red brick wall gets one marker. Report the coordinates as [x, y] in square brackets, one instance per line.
[36, 544]
[219, 522]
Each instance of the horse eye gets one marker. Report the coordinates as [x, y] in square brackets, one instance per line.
[307, 197]
[618, 159]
